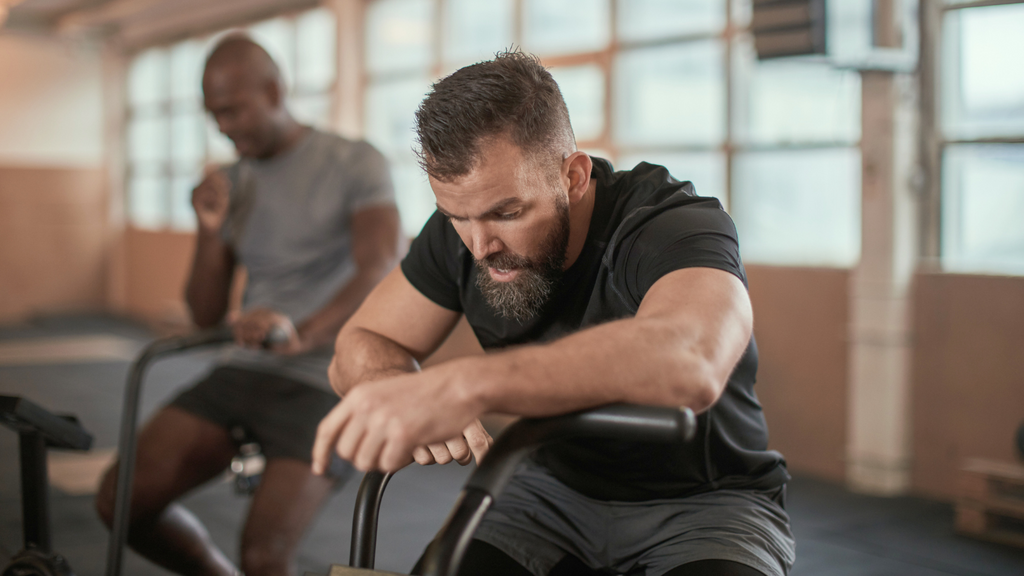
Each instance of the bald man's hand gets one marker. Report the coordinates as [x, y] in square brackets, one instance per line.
[210, 200]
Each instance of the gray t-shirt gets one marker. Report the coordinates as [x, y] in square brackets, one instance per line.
[289, 224]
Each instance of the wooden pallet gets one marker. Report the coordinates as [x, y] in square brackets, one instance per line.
[338, 570]
[991, 505]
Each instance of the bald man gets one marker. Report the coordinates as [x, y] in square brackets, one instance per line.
[311, 216]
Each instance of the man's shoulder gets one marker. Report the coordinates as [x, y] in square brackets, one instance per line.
[647, 197]
[344, 149]
[648, 190]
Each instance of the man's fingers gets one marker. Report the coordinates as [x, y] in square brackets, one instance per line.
[326, 436]
[478, 439]
[367, 456]
[394, 456]
[440, 452]
[422, 456]
[350, 438]
[459, 449]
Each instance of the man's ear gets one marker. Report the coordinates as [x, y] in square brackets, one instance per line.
[577, 166]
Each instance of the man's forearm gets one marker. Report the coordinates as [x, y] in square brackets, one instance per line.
[209, 283]
[643, 361]
[364, 356]
[322, 327]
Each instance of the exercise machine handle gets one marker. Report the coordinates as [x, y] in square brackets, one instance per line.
[364, 521]
[129, 420]
[618, 421]
[628, 422]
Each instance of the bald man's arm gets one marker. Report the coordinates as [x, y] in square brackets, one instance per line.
[375, 237]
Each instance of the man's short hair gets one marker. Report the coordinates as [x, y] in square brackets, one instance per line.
[512, 96]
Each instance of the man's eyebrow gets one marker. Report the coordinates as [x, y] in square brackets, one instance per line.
[496, 207]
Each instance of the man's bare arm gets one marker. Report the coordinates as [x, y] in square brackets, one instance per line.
[394, 330]
[209, 284]
[679, 350]
[375, 237]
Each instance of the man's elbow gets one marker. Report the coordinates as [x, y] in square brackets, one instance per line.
[700, 390]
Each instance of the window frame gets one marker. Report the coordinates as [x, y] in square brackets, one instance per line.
[168, 105]
[933, 138]
[736, 27]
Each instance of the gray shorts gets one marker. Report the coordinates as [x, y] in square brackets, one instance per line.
[278, 413]
[537, 520]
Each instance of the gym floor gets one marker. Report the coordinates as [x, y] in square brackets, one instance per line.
[82, 371]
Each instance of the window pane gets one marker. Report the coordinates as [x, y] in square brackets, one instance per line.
[312, 110]
[147, 201]
[148, 139]
[583, 90]
[476, 30]
[147, 78]
[706, 170]
[183, 216]
[187, 61]
[798, 207]
[554, 27]
[651, 19]
[983, 208]
[399, 35]
[414, 197]
[983, 95]
[316, 50]
[188, 144]
[278, 38]
[785, 101]
[390, 115]
[670, 95]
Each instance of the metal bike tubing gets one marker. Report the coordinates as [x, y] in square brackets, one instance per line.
[364, 522]
[618, 421]
[129, 423]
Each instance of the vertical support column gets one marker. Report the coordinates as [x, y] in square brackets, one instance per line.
[878, 435]
[348, 89]
[115, 66]
[35, 497]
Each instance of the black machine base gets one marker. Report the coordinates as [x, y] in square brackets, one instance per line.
[38, 563]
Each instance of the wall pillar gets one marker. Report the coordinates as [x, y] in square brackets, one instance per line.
[878, 435]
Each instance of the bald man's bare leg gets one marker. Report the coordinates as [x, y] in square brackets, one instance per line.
[177, 452]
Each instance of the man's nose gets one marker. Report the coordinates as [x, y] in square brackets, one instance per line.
[485, 243]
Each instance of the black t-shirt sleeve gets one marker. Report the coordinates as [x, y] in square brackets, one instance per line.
[431, 265]
[691, 236]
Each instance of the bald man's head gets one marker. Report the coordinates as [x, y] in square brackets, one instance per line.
[242, 89]
[241, 56]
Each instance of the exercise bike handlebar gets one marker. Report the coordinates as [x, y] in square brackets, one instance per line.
[618, 421]
[129, 420]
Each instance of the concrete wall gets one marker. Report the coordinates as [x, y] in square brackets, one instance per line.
[800, 323]
[54, 235]
[51, 102]
[53, 240]
[968, 379]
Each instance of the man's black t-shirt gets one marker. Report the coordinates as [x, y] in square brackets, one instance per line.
[645, 224]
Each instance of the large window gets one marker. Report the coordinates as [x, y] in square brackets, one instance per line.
[982, 129]
[170, 138]
[673, 82]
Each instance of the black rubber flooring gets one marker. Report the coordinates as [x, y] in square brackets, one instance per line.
[838, 533]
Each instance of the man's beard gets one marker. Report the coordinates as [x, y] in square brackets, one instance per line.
[522, 298]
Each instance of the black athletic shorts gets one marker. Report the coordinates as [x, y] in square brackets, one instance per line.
[277, 412]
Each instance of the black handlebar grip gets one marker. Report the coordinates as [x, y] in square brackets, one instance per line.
[618, 421]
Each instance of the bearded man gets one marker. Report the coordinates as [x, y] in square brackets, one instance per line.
[589, 287]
